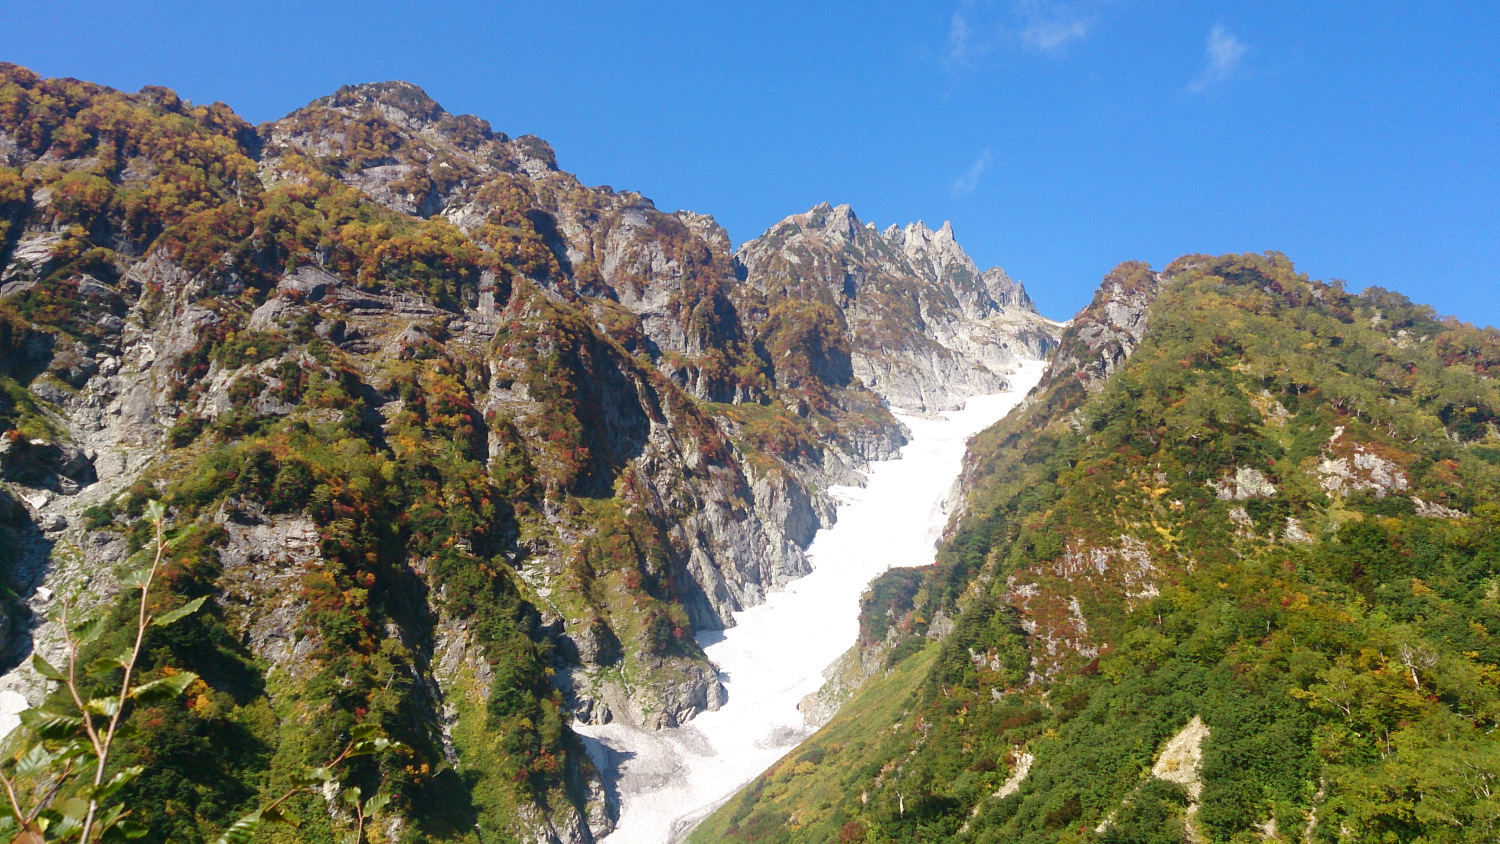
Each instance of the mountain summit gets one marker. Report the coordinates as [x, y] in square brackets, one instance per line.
[926, 327]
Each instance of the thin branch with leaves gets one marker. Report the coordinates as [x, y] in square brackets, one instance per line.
[63, 745]
[57, 776]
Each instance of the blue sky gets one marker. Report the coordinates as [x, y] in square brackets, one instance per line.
[1060, 138]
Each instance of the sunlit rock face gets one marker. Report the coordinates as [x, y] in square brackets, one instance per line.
[926, 328]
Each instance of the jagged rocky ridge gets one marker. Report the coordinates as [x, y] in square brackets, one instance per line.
[926, 328]
[456, 442]
[1229, 574]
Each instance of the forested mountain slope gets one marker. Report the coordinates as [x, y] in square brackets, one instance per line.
[1232, 573]
[456, 444]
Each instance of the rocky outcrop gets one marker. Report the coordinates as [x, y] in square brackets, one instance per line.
[1264, 451]
[925, 328]
[844, 677]
[1181, 762]
[1102, 336]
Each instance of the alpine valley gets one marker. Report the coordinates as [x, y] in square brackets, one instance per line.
[455, 445]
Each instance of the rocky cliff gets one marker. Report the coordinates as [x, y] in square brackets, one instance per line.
[926, 328]
[452, 441]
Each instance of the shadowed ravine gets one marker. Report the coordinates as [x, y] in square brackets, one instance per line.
[667, 781]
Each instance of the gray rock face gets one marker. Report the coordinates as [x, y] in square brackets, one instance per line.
[30, 258]
[112, 414]
[926, 329]
[263, 562]
[41, 464]
[732, 528]
[843, 678]
[1104, 334]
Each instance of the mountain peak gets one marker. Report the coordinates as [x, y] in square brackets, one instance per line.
[930, 329]
[934, 255]
[835, 219]
[409, 108]
[401, 102]
[934, 249]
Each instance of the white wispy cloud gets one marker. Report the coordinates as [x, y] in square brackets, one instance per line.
[1224, 54]
[978, 28]
[966, 44]
[1048, 27]
[965, 184]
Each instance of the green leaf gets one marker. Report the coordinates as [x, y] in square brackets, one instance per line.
[106, 664]
[376, 803]
[180, 613]
[137, 579]
[90, 630]
[156, 512]
[44, 668]
[106, 706]
[77, 747]
[242, 830]
[108, 818]
[117, 782]
[351, 795]
[35, 761]
[311, 777]
[281, 816]
[51, 725]
[60, 825]
[369, 747]
[165, 689]
[72, 808]
[364, 731]
[173, 538]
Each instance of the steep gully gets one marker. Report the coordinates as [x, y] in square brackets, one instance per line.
[775, 655]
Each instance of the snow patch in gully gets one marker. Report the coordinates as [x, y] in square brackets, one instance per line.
[666, 781]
